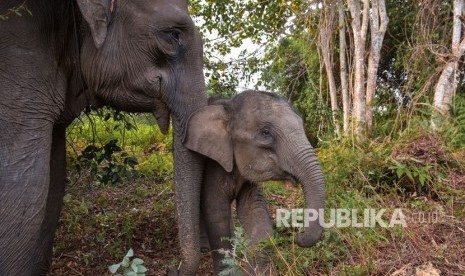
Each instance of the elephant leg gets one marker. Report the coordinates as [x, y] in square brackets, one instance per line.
[218, 220]
[24, 179]
[254, 217]
[216, 212]
[204, 241]
[54, 198]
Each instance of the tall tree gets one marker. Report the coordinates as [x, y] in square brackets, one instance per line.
[379, 21]
[376, 15]
[326, 30]
[343, 68]
[359, 29]
[447, 83]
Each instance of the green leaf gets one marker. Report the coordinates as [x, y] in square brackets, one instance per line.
[130, 253]
[141, 269]
[131, 161]
[399, 173]
[114, 268]
[137, 261]
[125, 261]
[422, 179]
[134, 267]
[409, 175]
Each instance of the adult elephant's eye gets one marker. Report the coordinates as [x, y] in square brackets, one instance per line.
[174, 35]
[169, 43]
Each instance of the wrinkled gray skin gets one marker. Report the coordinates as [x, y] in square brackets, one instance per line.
[134, 55]
[254, 137]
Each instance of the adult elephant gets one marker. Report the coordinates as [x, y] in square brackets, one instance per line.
[138, 56]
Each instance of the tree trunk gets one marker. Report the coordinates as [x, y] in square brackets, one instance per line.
[326, 34]
[378, 15]
[359, 32]
[445, 88]
[343, 69]
[447, 83]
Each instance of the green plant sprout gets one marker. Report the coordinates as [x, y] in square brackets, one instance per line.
[235, 258]
[130, 267]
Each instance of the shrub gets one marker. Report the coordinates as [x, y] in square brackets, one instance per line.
[107, 163]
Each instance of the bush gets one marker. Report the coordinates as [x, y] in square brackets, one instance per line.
[107, 163]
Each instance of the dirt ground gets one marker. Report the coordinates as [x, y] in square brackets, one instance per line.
[93, 234]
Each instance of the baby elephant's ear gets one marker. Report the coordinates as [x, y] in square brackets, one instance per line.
[207, 134]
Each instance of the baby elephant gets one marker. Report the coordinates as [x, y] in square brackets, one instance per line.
[254, 137]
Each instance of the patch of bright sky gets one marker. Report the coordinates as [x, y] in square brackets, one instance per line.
[247, 48]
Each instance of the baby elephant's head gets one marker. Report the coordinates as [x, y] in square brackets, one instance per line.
[262, 137]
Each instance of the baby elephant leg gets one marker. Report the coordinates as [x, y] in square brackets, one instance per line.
[254, 217]
[217, 220]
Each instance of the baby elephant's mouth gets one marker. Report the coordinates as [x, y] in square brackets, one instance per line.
[292, 179]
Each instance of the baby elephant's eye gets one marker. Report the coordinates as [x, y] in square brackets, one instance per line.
[266, 132]
[265, 138]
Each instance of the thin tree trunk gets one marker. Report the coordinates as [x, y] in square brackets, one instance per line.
[378, 15]
[447, 83]
[343, 68]
[326, 35]
[443, 93]
[359, 32]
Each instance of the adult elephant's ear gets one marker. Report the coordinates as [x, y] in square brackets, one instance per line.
[97, 14]
[207, 133]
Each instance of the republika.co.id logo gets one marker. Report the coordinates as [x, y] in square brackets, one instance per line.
[339, 218]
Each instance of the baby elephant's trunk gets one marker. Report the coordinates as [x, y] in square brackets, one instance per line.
[307, 169]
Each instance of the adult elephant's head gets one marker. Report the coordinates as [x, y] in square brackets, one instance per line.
[143, 55]
[146, 56]
[260, 137]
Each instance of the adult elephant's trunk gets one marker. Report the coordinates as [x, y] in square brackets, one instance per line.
[188, 165]
[305, 166]
[188, 169]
